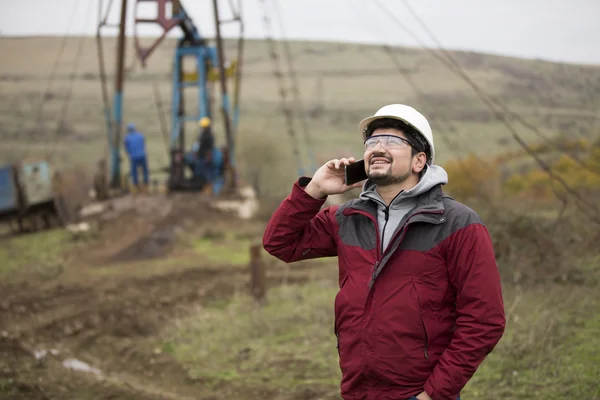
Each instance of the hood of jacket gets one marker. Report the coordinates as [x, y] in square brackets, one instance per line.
[390, 217]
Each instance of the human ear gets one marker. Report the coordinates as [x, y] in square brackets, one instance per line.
[419, 161]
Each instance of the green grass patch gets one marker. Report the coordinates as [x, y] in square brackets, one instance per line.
[549, 351]
[41, 253]
[7, 388]
[286, 346]
[222, 248]
[589, 271]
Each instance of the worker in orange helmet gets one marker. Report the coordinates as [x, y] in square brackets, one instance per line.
[206, 142]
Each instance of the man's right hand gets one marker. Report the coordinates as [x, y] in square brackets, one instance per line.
[329, 179]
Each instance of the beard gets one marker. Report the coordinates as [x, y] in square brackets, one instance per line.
[387, 178]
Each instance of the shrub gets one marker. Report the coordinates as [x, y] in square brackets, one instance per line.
[471, 179]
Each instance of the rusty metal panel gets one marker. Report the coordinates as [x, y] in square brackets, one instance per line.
[9, 196]
[35, 177]
[71, 193]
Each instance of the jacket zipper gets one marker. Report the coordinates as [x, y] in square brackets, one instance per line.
[394, 245]
[380, 251]
[406, 223]
[422, 322]
[426, 336]
[387, 216]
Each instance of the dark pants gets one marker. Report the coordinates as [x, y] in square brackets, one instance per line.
[136, 163]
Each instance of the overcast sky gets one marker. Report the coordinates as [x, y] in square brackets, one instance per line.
[558, 30]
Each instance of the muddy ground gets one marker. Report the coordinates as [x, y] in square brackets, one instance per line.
[76, 337]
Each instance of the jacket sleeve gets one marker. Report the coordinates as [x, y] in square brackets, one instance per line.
[298, 230]
[480, 317]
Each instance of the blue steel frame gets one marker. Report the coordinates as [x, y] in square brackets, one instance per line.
[202, 54]
[118, 122]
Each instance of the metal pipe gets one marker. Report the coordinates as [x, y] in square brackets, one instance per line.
[175, 99]
[118, 101]
[224, 95]
[181, 109]
[238, 72]
[102, 72]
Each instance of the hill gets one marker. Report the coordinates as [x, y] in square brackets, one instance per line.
[339, 84]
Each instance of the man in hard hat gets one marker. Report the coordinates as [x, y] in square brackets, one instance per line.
[135, 146]
[420, 303]
[206, 142]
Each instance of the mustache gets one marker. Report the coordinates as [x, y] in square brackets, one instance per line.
[379, 155]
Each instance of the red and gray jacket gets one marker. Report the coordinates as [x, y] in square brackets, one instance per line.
[420, 315]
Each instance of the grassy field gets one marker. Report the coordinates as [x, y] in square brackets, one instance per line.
[227, 345]
[288, 348]
[178, 323]
[339, 84]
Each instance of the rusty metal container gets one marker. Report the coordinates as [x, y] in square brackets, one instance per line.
[35, 180]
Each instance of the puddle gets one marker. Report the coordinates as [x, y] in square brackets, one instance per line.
[69, 363]
[78, 365]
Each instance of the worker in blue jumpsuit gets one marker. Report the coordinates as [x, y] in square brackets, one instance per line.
[135, 146]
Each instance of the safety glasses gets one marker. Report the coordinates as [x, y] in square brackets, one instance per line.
[387, 141]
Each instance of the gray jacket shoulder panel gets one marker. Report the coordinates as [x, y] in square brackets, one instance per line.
[459, 215]
[358, 204]
[425, 236]
[356, 229]
[359, 230]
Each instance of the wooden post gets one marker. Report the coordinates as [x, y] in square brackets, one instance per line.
[257, 274]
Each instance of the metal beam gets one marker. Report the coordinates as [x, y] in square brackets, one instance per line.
[224, 94]
[118, 100]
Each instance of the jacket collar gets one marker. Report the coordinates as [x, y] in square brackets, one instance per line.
[430, 201]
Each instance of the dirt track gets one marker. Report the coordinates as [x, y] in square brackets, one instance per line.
[97, 340]
[105, 327]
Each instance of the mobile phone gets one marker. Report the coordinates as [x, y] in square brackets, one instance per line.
[355, 173]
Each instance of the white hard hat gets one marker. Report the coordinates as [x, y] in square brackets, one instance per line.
[407, 115]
